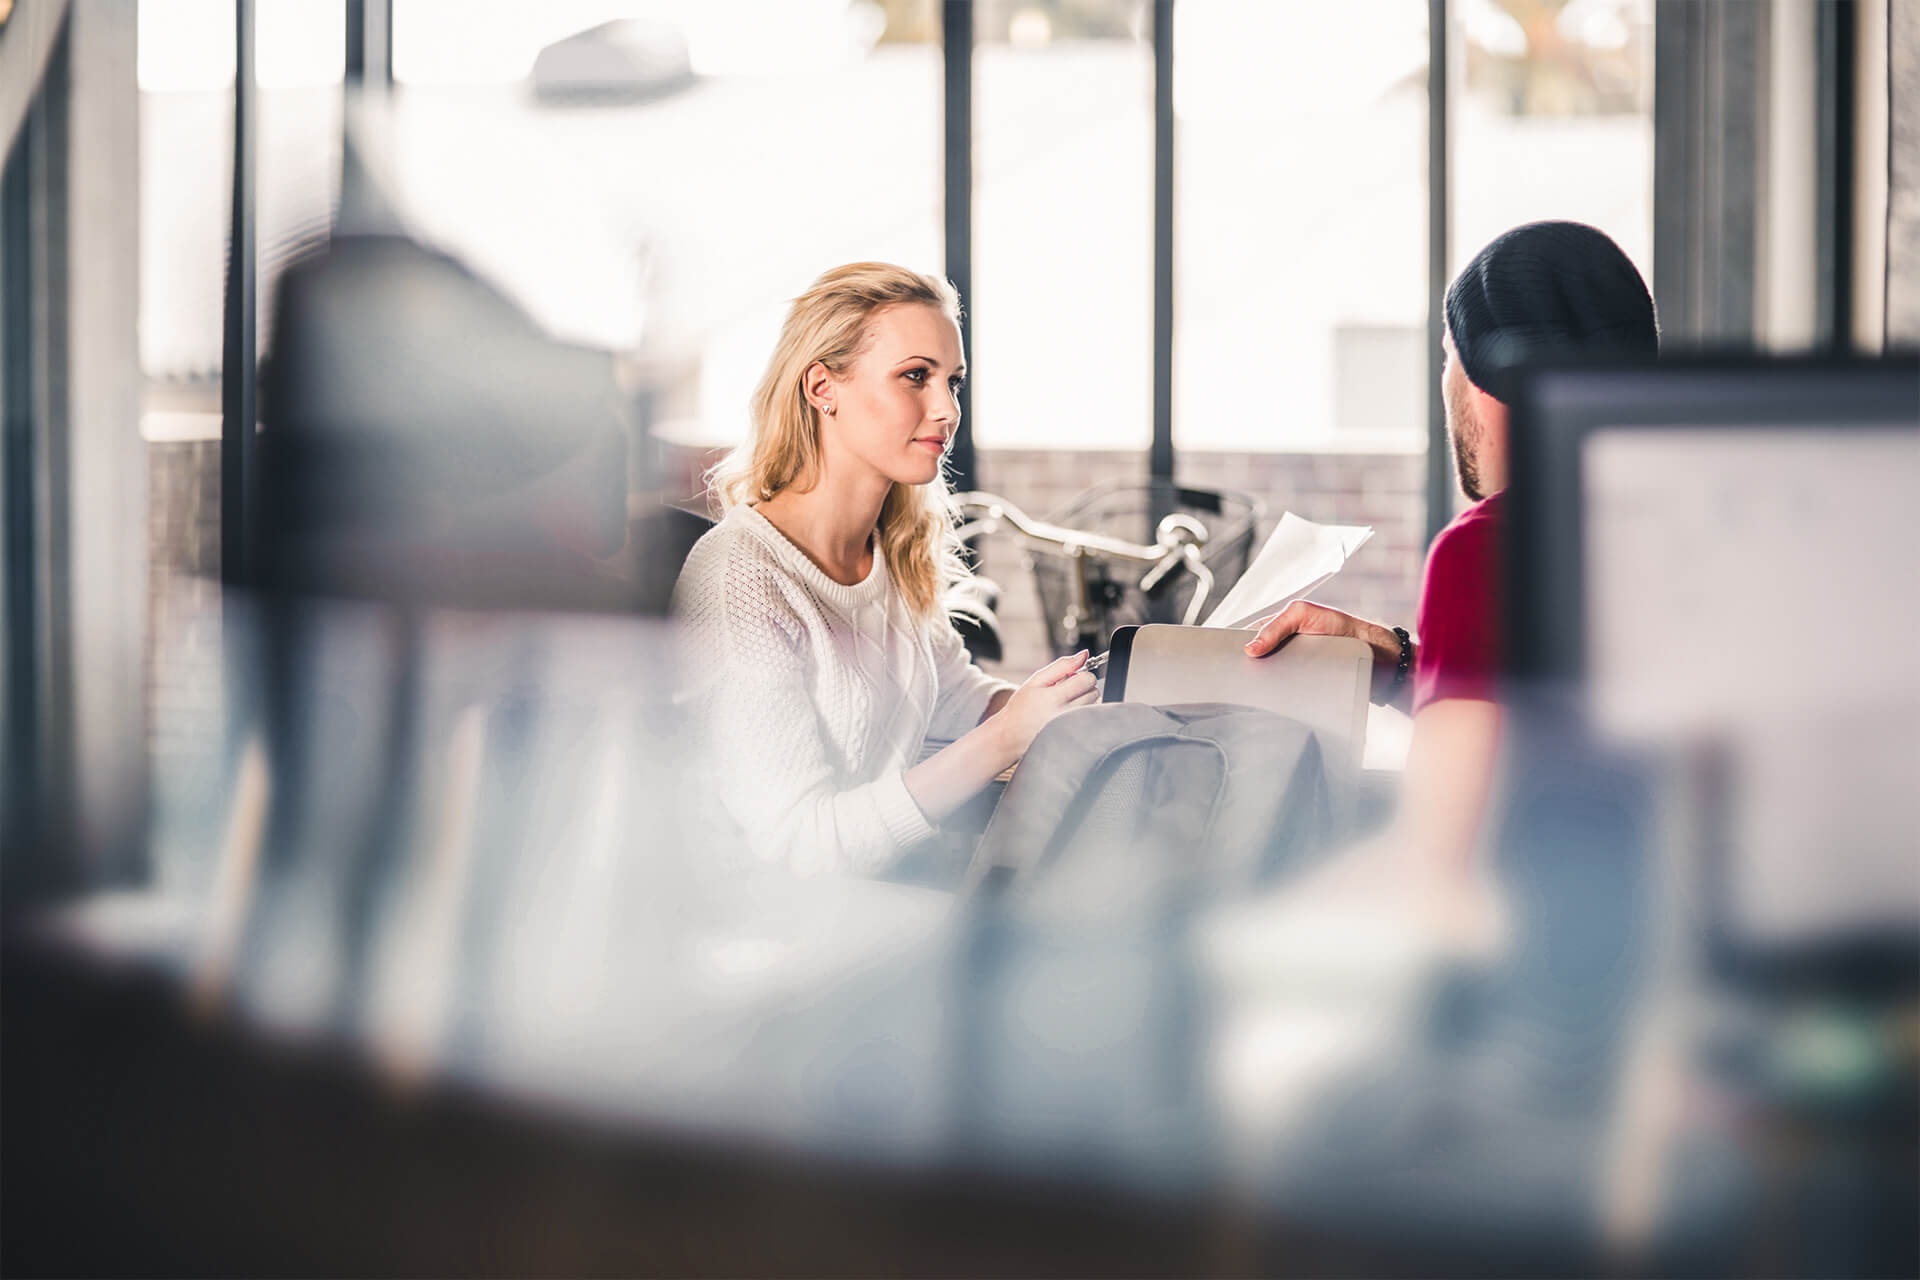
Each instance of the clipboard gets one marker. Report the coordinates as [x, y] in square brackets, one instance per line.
[1321, 681]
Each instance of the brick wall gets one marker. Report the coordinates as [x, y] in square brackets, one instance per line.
[1379, 489]
[1382, 581]
[1903, 174]
[183, 591]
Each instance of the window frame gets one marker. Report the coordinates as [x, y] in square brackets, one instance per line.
[1163, 459]
[369, 57]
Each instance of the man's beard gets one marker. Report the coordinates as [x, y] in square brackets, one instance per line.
[1464, 429]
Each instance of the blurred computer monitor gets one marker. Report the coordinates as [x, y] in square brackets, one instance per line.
[1714, 560]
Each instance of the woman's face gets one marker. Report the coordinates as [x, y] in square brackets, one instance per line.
[895, 409]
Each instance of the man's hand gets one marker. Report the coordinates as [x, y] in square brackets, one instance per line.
[1305, 618]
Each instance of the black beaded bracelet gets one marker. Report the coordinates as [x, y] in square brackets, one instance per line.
[1405, 669]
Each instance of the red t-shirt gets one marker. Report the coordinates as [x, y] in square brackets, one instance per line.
[1459, 616]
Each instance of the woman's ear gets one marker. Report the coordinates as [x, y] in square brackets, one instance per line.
[817, 383]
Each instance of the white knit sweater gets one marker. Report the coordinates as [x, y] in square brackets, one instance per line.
[812, 699]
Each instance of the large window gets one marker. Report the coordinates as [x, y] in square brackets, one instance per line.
[1554, 120]
[1301, 197]
[1063, 226]
[662, 178]
[659, 177]
[186, 70]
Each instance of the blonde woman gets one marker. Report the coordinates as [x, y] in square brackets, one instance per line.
[819, 657]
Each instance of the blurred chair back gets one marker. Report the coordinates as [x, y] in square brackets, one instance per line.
[450, 738]
[424, 441]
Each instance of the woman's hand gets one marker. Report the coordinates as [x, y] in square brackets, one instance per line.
[948, 778]
[1061, 684]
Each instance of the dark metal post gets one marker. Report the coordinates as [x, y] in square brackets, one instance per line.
[26, 769]
[1679, 189]
[355, 70]
[369, 66]
[956, 43]
[1439, 467]
[369, 42]
[1161, 462]
[1709, 79]
[238, 413]
[1836, 25]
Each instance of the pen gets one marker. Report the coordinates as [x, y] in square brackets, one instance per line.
[1097, 661]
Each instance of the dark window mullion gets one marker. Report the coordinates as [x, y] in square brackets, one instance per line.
[1439, 471]
[237, 367]
[1836, 25]
[1161, 460]
[956, 46]
[369, 43]
[21, 814]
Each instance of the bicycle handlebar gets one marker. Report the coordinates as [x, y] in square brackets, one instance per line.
[1161, 557]
[993, 510]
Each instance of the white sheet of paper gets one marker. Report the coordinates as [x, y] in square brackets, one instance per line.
[1298, 557]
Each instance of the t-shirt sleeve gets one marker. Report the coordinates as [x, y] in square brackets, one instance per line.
[1459, 616]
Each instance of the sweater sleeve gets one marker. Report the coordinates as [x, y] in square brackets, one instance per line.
[744, 668]
[962, 690]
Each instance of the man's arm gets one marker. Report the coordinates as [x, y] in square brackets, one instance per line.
[1450, 760]
[1450, 766]
[1305, 618]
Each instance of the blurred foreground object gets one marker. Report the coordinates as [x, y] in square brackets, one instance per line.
[1713, 562]
[430, 977]
[423, 440]
[626, 61]
[1711, 582]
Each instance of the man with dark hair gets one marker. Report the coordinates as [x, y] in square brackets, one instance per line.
[1540, 292]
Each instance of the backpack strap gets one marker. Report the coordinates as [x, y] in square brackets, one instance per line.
[1264, 793]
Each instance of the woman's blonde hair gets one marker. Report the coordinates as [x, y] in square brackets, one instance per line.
[829, 325]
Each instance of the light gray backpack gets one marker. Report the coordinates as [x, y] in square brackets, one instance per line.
[1124, 807]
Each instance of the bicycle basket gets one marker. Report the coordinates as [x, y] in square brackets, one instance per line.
[1083, 597]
